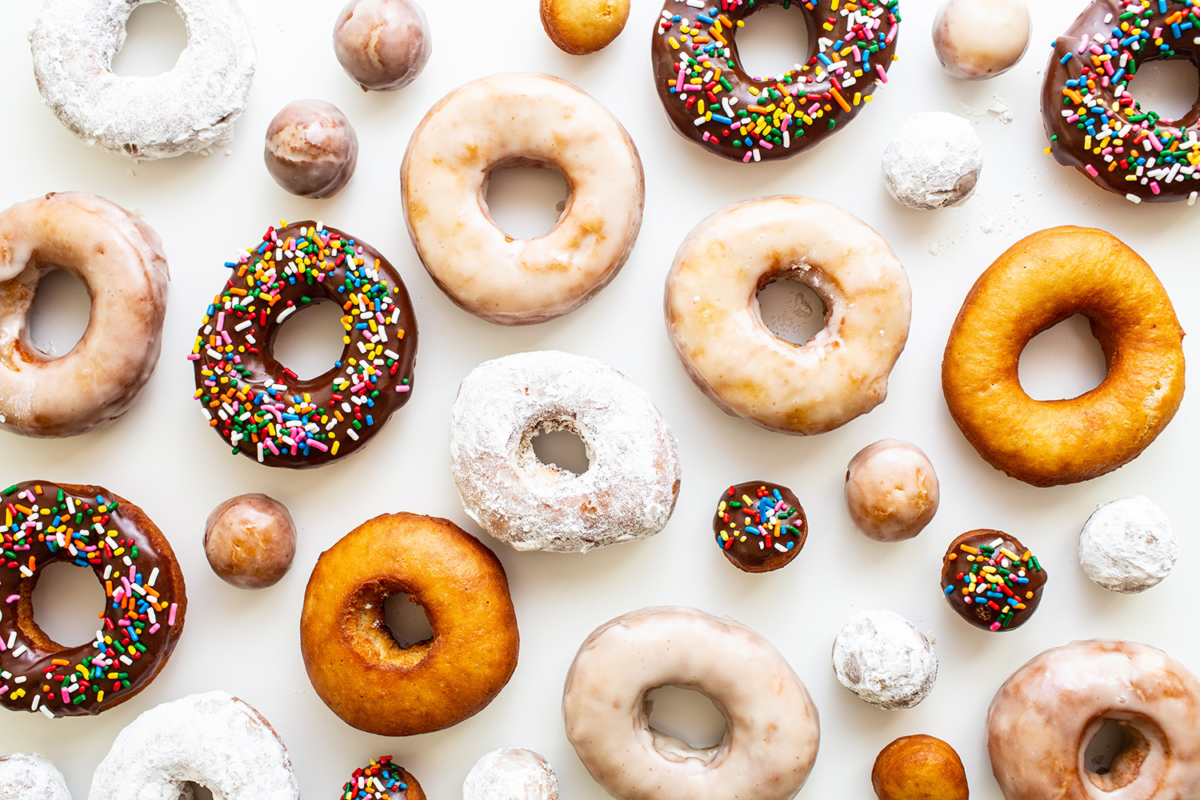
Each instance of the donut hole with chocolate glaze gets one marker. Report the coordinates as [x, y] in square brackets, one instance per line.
[791, 309]
[558, 445]
[156, 37]
[1118, 747]
[406, 620]
[309, 342]
[525, 198]
[63, 597]
[681, 716]
[774, 40]
[59, 314]
[1062, 362]
[1170, 89]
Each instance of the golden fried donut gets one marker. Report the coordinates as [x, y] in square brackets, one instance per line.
[359, 670]
[1037, 283]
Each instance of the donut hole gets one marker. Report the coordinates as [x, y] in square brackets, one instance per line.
[774, 41]
[59, 314]
[558, 446]
[525, 198]
[679, 717]
[1116, 753]
[155, 38]
[406, 620]
[792, 310]
[1170, 89]
[67, 603]
[310, 341]
[1062, 362]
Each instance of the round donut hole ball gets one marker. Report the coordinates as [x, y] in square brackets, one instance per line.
[31, 777]
[580, 27]
[891, 490]
[311, 149]
[385, 779]
[511, 773]
[250, 541]
[933, 161]
[919, 768]
[382, 44]
[1128, 546]
[979, 39]
[885, 660]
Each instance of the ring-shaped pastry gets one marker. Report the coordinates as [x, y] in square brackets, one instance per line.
[1037, 283]
[714, 320]
[184, 110]
[1056, 704]
[120, 260]
[772, 730]
[521, 120]
[362, 673]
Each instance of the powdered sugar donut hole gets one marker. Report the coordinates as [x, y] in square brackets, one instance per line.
[933, 161]
[31, 777]
[884, 659]
[511, 774]
[1128, 545]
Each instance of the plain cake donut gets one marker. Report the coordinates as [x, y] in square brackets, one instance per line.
[715, 324]
[1044, 717]
[120, 260]
[521, 120]
[772, 732]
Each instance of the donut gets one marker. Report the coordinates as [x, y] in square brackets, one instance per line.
[120, 260]
[522, 120]
[511, 774]
[919, 766]
[214, 740]
[261, 408]
[382, 44]
[580, 27]
[1095, 123]
[311, 149]
[31, 777]
[715, 325]
[760, 526]
[1128, 546]
[382, 780]
[1037, 283]
[980, 39]
[359, 670]
[884, 659]
[712, 101]
[933, 161]
[187, 109]
[992, 580]
[250, 541]
[146, 601]
[1054, 705]
[891, 490]
[772, 732]
[632, 481]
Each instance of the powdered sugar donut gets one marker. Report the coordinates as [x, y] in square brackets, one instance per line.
[214, 740]
[933, 161]
[511, 774]
[184, 110]
[884, 659]
[31, 777]
[629, 489]
[1128, 546]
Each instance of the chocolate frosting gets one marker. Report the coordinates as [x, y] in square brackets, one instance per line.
[992, 580]
[1129, 151]
[144, 610]
[759, 526]
[777, 117]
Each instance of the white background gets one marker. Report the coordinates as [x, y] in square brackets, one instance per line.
[162, 456]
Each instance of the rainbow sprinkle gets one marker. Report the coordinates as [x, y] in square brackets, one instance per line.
[382, 780]
[764, 516]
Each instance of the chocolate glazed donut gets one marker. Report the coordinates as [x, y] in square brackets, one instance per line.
[1096, 125]
[712, 101]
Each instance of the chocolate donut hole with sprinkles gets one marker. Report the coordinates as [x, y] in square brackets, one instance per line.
[760, 526]
[992, 580]
[382, 779]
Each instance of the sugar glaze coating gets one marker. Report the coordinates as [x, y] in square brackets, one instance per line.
[311, 148]
[980, 39]
[250, 541]
[891, 490]
[382, 44]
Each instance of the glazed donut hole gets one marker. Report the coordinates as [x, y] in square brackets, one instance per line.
[250, 541]
[525, 198]
[382, 44]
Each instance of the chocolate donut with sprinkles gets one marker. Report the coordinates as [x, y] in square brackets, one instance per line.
[145, 599]
[711, 100]
[1097, 126]
[263, 409]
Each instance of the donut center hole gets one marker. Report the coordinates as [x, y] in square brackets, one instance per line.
[686, 715]
[1062, 362]
[406, 620]
[561, 448]
[59, 314]
[1115, 755]
[195, 791]
[774, 41]
[792, 310]
[525, 200]
[155, 37]
[310, 341]
[1168, 88]
[61, 598]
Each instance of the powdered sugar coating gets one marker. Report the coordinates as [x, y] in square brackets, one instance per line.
[511, 774]
[933, 161]
[187, 109]
[629, 489]
[1128, 545]
[884, 659]
[31, 777]
[214, 740]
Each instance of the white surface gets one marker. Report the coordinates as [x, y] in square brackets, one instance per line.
[162, 456]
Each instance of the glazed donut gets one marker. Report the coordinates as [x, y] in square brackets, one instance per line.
[1094, 122]
[120, 260]
[215, 740]
[31, 777]
[1044, 717]
[45, 523]
[1040, 281]
[185, 110]
[632, 481]
[524, 120]
[772, 732]
[259, 406]
[714, 321]
[378, 685]
[711, 100]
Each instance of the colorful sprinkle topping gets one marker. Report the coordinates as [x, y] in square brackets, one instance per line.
[996, 576]
[382, 780]
[764, 517]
